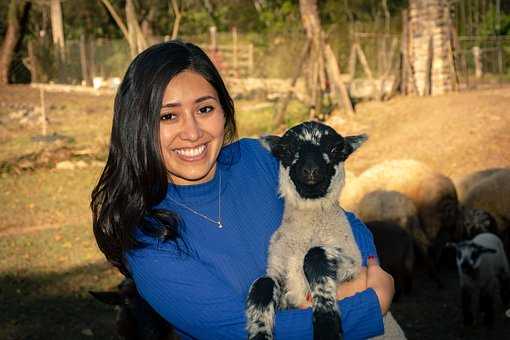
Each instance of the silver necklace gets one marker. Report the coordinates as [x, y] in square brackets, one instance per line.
[218, 223]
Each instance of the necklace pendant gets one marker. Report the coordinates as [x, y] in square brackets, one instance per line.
[220, 225]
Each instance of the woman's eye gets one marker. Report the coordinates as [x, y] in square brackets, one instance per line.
[167, 116]
[206, 109]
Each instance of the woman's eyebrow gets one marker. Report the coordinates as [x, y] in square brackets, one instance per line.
[198, 100]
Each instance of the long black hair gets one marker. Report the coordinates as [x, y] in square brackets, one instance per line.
[135, 178]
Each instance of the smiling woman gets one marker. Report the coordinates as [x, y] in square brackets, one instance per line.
[188, 212]
[191, 129]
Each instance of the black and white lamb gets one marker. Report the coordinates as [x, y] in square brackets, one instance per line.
[314, 248]
[483, 271]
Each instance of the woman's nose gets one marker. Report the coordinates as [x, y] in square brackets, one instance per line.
[191, 129]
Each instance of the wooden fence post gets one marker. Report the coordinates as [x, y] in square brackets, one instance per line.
[234, 52]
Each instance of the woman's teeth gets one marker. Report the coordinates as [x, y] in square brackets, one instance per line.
[191, 152]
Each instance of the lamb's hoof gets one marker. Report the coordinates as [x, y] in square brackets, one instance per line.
[326, 326]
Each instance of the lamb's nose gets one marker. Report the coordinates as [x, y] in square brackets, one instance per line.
[310, 174]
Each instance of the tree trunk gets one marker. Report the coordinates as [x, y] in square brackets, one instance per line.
[57, 27]
[177, 22]
[12, 36]
[311, 23]
[138, 43]
[429, 47]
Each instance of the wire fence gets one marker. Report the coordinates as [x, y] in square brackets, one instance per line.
[102, 62]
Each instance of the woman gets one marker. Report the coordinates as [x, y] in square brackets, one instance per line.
[188, 213]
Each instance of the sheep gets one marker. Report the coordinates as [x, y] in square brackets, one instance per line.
[395, 207]
[314, 248]
[464, 184]
[433, 194]
[135, 320]
[483, 270]
[395, 248]
[491, 194]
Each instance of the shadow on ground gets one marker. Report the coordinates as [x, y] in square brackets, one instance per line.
[54, 306]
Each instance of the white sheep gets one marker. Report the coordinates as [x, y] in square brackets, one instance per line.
[432, 193]
[314, 249]
[483, 271]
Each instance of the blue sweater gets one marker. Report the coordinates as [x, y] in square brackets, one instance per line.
[202, 291]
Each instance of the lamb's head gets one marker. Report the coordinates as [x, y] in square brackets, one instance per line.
[468, 256]
[312, 159]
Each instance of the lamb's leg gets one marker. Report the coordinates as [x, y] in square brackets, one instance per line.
[467, 309]
[504, 288]
[320, 267]
[260, 308]
[487, 306]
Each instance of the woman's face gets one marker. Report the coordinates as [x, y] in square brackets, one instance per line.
[192, 127]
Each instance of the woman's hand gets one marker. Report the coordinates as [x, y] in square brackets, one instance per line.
[373, 277]
[382, 283]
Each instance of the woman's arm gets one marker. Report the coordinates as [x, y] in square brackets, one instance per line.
[373, 276]
[201, 306]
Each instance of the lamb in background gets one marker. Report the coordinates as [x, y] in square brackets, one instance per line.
[314, 248]
[432, 193]
[483, 271]
[135, 319]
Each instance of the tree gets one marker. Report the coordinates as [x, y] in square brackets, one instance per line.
[16, 17]
[57, 27]
[132, 31]
[324, 61]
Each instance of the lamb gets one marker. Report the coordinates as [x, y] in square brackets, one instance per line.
[483, 270]
[433, 194]
[395, 248]
[135, 320]
[314, 248]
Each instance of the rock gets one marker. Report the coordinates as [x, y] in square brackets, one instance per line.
[65, 165]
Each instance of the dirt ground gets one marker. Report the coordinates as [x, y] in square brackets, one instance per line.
[456, 134]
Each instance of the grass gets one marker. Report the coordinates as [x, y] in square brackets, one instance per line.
[48, 256]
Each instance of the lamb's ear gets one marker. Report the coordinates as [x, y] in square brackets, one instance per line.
[356, 141]
[270, 142]
[483, 249]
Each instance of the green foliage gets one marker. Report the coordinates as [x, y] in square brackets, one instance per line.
[280, 16]
[490, 23]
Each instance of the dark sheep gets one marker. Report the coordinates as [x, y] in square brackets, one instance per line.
[135, 319]
[395, 248]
